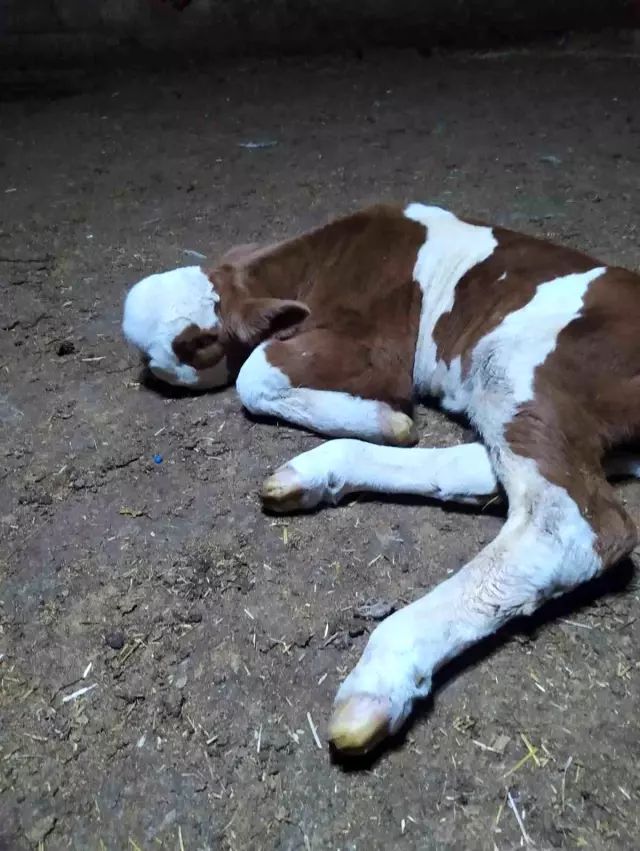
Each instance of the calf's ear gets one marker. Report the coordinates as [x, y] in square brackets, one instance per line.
[198, 347]
[256, 319]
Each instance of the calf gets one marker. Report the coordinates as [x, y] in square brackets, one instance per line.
[341, 329]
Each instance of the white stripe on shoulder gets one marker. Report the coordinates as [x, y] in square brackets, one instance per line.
[451, 249]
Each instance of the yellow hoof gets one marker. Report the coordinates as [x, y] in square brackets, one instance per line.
[359, 723]
[282, 492]
[399, 429]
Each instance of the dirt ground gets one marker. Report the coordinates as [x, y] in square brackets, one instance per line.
[207, 634]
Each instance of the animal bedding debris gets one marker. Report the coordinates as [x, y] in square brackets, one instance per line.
[375, 611]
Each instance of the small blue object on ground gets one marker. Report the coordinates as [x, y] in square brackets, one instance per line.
[157, 459]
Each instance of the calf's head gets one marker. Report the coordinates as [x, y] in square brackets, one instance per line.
[195, 328]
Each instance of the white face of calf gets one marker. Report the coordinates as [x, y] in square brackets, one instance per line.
[171, 319]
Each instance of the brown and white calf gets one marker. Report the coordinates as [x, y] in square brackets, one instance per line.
[341, 329]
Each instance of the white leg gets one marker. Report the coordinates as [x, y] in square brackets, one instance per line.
[340, 467]
[265, 389]
[544, 548]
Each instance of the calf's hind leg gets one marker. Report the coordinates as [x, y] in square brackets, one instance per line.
[548, 545]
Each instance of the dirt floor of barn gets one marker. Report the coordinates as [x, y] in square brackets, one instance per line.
[206, 636]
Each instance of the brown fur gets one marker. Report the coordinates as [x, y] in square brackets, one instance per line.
[344, 293]
[199, 347]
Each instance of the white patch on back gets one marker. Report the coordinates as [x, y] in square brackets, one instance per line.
[451, 249]
[503, 364]
[158, 308]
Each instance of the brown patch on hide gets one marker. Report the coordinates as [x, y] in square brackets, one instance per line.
[198, 347]
[354, 278]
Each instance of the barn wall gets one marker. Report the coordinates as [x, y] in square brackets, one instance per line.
[94, 29]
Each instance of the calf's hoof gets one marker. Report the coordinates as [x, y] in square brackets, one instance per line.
[359, 723]
[283, 492]
[399, 430]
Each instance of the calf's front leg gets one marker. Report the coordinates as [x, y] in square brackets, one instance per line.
[338, 468]
[344, 401]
